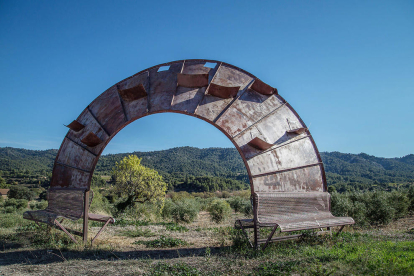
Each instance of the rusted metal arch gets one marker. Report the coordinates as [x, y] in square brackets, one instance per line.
[278, 150]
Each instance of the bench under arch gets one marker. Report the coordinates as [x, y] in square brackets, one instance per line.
[280, 155]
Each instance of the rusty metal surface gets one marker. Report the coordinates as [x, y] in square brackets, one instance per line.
[108, 110]
[259, 144]
[192, 80]
[262, 87]
[91, 140]
[286, 160]
[75, 126]
[224, 92]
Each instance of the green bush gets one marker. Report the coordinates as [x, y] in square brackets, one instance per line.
[400, 202]
[370, 208]
[17, 204]
[379, 209]
[411, 197]
[185, 210]
[219, 210]
[19, 192]
[38, 205]
[240, 205]
[12, 219]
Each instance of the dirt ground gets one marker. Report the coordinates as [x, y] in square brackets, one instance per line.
[114, 254]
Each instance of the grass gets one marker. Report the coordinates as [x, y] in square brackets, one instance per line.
[199, 249]
[163, 242]
[138, 232]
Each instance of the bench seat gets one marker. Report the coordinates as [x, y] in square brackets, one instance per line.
[292, 211]
[67, 203]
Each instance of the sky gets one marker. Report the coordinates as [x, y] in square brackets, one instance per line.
[346, 67]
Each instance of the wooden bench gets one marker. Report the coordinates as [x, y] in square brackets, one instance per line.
[68, 203]
[291, 211]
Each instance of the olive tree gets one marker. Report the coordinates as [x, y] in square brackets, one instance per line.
[137, 183]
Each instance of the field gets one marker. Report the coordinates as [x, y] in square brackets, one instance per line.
[208, 249]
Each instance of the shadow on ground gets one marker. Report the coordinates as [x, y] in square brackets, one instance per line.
[45, 256]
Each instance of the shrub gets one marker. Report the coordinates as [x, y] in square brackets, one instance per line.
[38, 205]
[181, 211]
[379, 209]
[219, 210]
[17, 204]
[19, 192]
[400, 202]
[12, 219]
[411, 197]
[239, 205]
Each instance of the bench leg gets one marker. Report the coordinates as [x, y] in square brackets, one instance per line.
[245, 234]
[340, 230]
[64, 230]
[106, 223]
[85, 217]
[270, 236]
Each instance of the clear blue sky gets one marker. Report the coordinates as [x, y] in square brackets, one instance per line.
[347, 67]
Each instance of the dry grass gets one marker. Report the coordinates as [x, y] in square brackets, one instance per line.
[207, 251]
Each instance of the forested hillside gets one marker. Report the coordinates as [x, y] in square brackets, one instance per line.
[186, 166]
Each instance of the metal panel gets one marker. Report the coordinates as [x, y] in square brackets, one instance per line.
[75, 156]
[212, 106]
[162, 87]
[68, 177]
[293, 155]
[108, 110]
[187, 99]
[91, 125]
[248, 109]
[138, 107]
[303, 180]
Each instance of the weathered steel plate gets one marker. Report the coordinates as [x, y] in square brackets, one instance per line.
[247, 110]
[73, 155]
[137, 107]
[303, 180]
[63, 176]
[162, 87]
[108, 110]
[91, 125]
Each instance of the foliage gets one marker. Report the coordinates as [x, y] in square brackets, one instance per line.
[12, 219]
[136, 182]
[176, 227]
[371, 208]
[185, 210]
[19, 192]
[240, 205]
[16, 204]
[219, 210]
[410, 195]
[38, 205]
[162, 242]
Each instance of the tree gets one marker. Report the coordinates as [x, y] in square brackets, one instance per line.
[19, 192]
[137, 182]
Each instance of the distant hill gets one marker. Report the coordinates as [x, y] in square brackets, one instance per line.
[176, 164]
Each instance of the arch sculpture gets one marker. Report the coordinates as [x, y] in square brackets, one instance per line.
[278, 150]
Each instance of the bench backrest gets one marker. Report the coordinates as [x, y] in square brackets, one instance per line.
[287, 206]
[67, 202]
